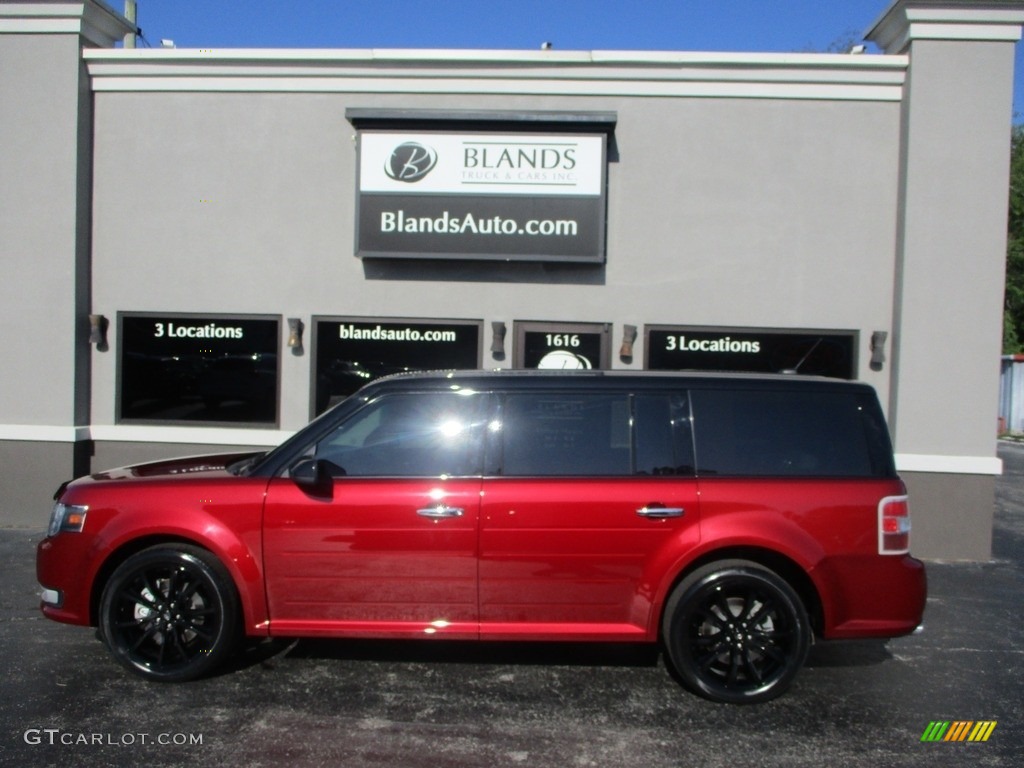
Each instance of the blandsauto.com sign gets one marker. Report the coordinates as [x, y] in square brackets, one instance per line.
[527, 197]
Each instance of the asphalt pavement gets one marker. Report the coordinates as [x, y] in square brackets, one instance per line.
[451, 705]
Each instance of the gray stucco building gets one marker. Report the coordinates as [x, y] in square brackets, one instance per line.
[203, 248]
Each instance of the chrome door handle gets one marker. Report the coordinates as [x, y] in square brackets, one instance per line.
[441, 510]
[659, 513]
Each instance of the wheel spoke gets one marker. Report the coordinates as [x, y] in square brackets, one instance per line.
[176, 641]
[201, 632]
[152, 587]
[721, 602]
[136, 597]
[706, 641]
[734, 668]
[767, 608]
[172, 583]
[754, 670]
[189, 590]
[151, 630]
[163, 651]
[773, 650]
[706, 613]
[705, 663]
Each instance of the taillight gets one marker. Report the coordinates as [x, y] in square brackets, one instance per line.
[893, 526]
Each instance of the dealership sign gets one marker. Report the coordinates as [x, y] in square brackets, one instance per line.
[351, 352]
[526, 196]
[812, 352]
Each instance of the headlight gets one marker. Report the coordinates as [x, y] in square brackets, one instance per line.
[66, 517]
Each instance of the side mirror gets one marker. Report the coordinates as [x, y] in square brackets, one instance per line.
[312, 476]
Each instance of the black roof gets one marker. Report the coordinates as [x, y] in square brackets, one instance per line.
[614, 379]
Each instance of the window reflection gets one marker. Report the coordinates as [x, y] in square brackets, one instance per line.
[413, 435]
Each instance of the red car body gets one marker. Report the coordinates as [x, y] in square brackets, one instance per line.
[492, 574]
[526, 558]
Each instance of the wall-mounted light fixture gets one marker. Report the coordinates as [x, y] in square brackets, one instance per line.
[878, 349]
[628, 338]
[498, 340]
[295, 328]
[98, 325]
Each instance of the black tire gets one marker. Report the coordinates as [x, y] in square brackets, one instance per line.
[736, 632]
[169, 613]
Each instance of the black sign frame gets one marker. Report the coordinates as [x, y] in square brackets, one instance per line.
[808, 351]
[562, 339]
[209, 330]
[403, 331]
[438, 222]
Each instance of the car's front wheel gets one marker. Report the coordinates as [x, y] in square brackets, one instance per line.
[736, 632]
[169, 613]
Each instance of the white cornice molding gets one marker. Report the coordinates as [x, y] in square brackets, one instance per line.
[949, 465]
[582, 73]
[188, 435]
[118, 433]
[42, 433]
[95, 21]
[965, 20]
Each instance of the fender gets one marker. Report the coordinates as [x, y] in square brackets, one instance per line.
[737, 530]
[231, 529]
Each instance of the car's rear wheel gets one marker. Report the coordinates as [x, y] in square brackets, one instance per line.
[736, 632]
[169, 613]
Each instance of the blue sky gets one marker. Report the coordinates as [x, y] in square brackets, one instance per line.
[675, 25]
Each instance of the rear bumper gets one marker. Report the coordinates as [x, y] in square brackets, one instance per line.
[875, 596]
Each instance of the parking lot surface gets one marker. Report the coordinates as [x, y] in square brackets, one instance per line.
[447, 705]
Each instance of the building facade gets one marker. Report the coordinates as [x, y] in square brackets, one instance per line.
[204, 248]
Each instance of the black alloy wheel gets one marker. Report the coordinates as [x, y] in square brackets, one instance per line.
[736, 632]
[169, 613]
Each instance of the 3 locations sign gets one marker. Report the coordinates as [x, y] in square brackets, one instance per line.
[526, 197]
[198, 368]
[822, 353]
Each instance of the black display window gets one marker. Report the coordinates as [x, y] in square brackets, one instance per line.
[188, 368]
[563, 346]
[350, 352]
[752, 350]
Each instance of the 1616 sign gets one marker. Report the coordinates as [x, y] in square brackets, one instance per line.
[562, 346]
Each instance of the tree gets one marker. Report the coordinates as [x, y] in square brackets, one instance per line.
[1013, 306]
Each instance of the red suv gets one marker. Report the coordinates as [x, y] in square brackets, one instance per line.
[730, 518]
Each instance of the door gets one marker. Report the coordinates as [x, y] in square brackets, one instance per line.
[387, 545]
[589, 500]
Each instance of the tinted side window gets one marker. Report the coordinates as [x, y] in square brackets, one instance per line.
[408, 435]
[747, 432]
[664, 444]
[544, 435]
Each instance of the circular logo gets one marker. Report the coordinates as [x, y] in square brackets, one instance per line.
[565, 361]
[410, 162]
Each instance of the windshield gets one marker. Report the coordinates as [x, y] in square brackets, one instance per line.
[270, 462]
